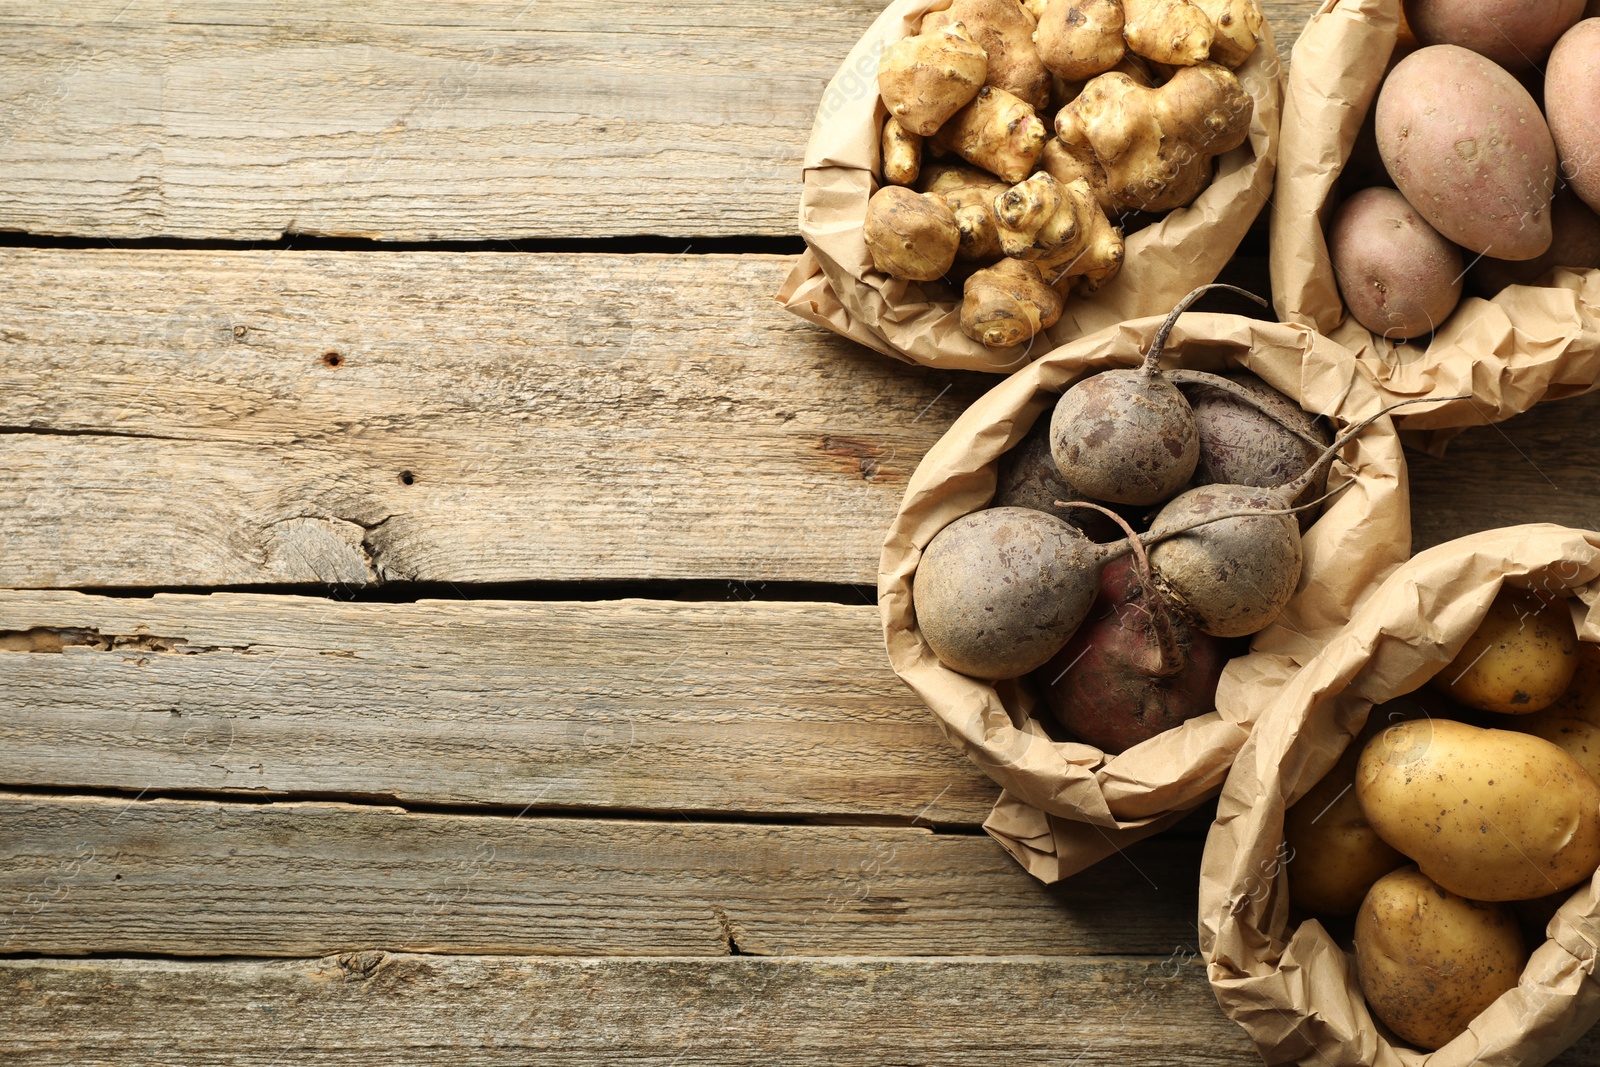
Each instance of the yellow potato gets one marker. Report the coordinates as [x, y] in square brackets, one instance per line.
[1335, 854]
[1582, 698]
[1428, 960]
[1519, 660]
[1488, 814]
[1578, 739]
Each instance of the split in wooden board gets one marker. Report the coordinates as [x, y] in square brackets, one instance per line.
[726, 709]
[225, 418]
[451, 120]
[201, 878]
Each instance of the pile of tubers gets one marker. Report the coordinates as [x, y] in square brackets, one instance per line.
[1459, 820]
[1151, 519]
[1052, 121]
[1461, 180]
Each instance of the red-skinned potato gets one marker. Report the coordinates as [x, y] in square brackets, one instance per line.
[1516, 34]
[1576, 244]
[1572, 105]
[1469, 148]
[1398, 276]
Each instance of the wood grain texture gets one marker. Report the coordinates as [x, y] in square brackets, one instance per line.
[372, 1008]
[1541, 466]
[736, 708]
[225, 418]
[453, 119]
[199, 878]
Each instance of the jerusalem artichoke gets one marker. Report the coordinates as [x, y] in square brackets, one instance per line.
[1004, 30]
[1008, 303]
[997, 132]
[927, 78]
[911, 235]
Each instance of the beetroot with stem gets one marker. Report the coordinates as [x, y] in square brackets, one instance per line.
[999, 591]
[1128, 436]
[1229, 556]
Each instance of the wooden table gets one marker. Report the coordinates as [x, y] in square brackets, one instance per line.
[440, 622]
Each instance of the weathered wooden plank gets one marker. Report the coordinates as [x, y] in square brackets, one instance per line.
[1541, 466]
[455, 119]
[372, 1008]
[199, 878]
[225, 418]
[725, 708]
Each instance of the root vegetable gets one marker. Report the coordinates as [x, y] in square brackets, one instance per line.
[1575, 243]
[1004, 30]
[1242, 444]
[1175, 32]
[1467, 145]
[929, 77]
[1035, 217]
[1152, 142]
[1399, 277]
[1133, 669]
[1128, 436]
[1078, 39]
[997, 132]
[998, 592]
[1237, 27]
[902, 153]
[1008, 303]
[1572, 103]
[911, 235]
[1515, 34]
[970, 192]
[1094, 254]
[1028, 479]
[1067, 162]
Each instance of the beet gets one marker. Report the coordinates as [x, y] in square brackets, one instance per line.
[1129, 435]
[1264, 441]
[999, 591]
[1029, 479]
[1133, 669]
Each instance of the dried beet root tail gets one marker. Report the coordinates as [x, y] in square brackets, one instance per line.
[1152, 359]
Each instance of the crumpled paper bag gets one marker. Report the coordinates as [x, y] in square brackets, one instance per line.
[834, 284]
[1530, 343]
[1068, 805]
[1293, 989]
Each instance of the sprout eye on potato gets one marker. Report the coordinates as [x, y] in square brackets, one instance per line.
[979, 79]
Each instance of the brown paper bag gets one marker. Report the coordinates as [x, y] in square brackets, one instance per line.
[1292, 989]
[1068, 805]
[1526, 345]
[834, 283]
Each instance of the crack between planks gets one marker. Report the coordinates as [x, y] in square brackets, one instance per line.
[495, 811]
[49, 431]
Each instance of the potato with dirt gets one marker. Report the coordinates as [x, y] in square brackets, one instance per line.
[1399, 278]
[1336, 855]
[1428, 960]
[1572, 105]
